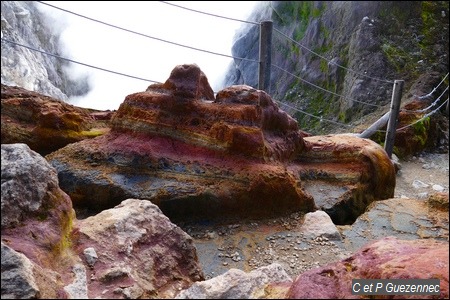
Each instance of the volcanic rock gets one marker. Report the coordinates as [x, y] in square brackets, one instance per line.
[44, 123]
[237, 155]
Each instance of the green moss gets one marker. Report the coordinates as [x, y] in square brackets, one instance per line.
[401, 59]
[421, 130]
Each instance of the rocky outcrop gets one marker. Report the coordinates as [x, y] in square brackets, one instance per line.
[339, 170]
[130, 251]
[37, 220]
[46, 124]
[388, 258]
[237, 155]
[22, 22]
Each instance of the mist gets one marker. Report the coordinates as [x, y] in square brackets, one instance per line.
[106, 47]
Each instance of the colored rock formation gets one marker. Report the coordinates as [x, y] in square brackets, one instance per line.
[237, 155]
[44, 123]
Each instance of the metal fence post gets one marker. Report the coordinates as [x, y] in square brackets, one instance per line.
[392, 124]
[265, 55]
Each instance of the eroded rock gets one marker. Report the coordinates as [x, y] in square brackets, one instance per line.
[238, 155]
[46, 124]
[263, 283]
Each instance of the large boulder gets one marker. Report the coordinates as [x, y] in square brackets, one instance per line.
[189, 154]
[133, 250]
[37, 221]
[237, 155]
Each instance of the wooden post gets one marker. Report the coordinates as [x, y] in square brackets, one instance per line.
[392, 124]
[265, 55]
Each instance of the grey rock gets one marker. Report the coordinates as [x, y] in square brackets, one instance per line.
[26, 179]
[18, 281]
[236, 284]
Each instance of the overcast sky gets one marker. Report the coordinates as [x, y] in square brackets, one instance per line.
[110, 48]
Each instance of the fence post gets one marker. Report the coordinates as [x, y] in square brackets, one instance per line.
[265, 55]
[392, 124]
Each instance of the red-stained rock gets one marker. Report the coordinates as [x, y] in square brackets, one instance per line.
[46, 124]
[388, 258]
[187, 82]
[37, 216]
[239, 155]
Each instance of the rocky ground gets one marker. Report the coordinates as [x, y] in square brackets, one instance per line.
[252, 244]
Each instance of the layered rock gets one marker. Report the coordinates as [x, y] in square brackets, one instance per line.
[46, 124]
[345, 174]
[236, 155]
[387, 258]
[190, 154]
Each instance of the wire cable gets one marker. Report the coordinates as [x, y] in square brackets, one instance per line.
[330, 62]
[77, 62]
[311, 115]
[209, 14]
[434, 90]
[325, 90]
[147, 36]
[430, 106]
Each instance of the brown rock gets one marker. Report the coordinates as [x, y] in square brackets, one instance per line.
[43, 123]
[345, 174]
[239, 155]
[388, 258]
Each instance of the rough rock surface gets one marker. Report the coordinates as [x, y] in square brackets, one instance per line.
[46, 124]
[386, 258]
[344, 174]
[263, 283]
[139, 252]
[400, 217]
[130, 251]
[237, 155]
[350, 41]
[17, 276]
[37, 216]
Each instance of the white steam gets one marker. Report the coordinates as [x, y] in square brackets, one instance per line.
[109, 48]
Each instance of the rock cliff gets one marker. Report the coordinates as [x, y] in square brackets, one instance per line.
[22, 22]
[344, 47]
